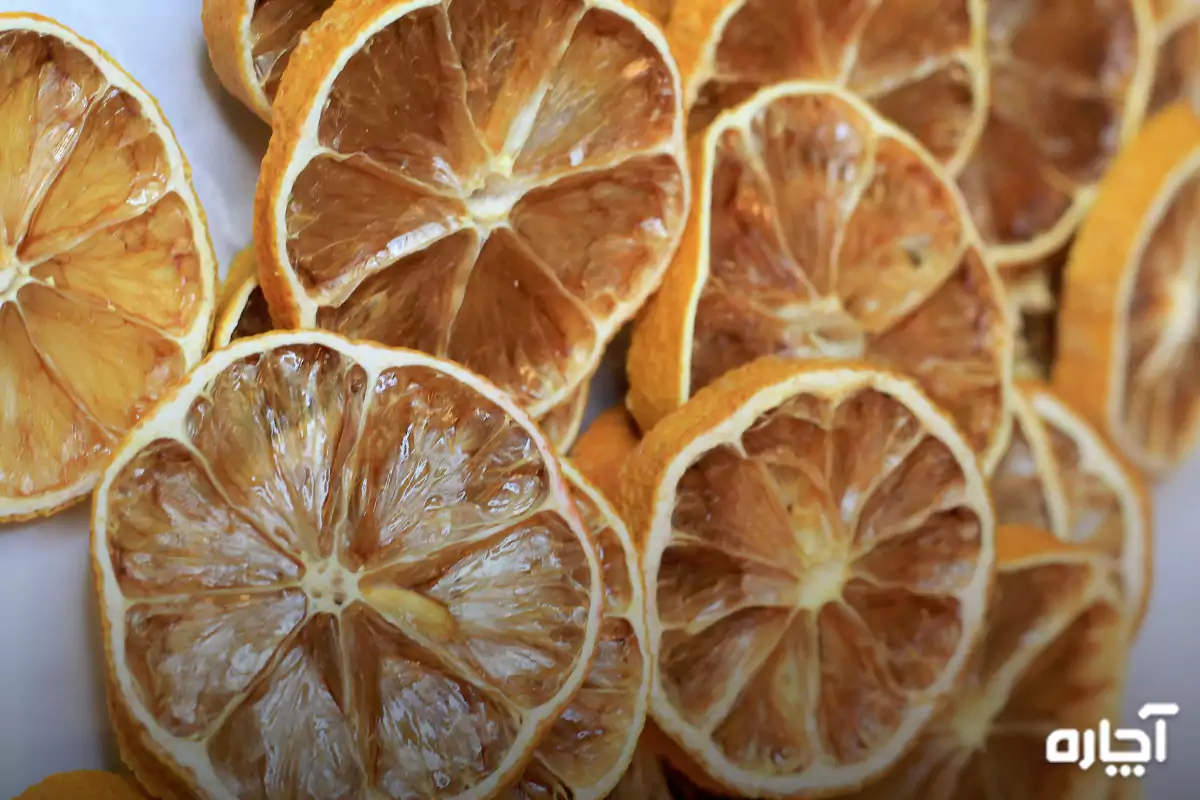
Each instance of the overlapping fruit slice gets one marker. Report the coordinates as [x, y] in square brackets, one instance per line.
[1053, 656]
[251, 41]
[1070, 81]
[500, 183]
[242, 311]
[1177, 35]
[822, 231]
[1059, 475]
[107, 277]
[338, 570]
[1129, 327]
[919, 62]
[817, 549]
[1033, 292]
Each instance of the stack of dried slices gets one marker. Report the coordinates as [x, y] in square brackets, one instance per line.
[915, 296]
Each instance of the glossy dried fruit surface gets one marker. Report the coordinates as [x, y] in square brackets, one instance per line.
[440, 170]
[818, 553]
[1129, 331]
[1053, 656]
[106, 272]
[920, 63]
[1059, 475]
[823, 231]
[336, 570]
[1070, 82]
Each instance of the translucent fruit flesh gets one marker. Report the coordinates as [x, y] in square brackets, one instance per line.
[514, 161]
[324, 587]
[816, 586]
[101, 283]
[830, 238]
[275, 29]
[1052, 658]
[1066, 90]
[916, 61]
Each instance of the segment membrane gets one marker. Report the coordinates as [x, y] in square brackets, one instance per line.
[442, 468]
[936, 558]
[1178, 56]
[938, 108]
[905, 38]
[275, 429]
[171, 531]
[275, 30]
[1019, 486]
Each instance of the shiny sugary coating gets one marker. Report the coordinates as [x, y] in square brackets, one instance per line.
[475, 164]
[275, 29]
[1052, 658]
[330, 581]
[106, 277]
[1069, 85]
[829, 237]
[919, 62]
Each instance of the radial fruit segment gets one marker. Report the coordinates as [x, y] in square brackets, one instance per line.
[818, 554]
[1059, 475]
[243, 311]
[106, 273]
[1177, 29]
[920, 63]
[439, 171]
[337, 570]
[588, 750]
[1070, 81]
[1053, 656]
[823, 231]
[1129, 330]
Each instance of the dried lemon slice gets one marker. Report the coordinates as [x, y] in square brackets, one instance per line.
[1059, 475]
[243, 311]
[821, 230]
[502, 184]
[1129, 325]
[251, 41]
[107, 276]
[1070, 81]
[1053, 656]
[330, 569]
[817, 549]
[921, 63]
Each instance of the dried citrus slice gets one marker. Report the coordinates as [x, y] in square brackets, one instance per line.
[645, 779]
[919, 62]
[605, 447]
[107, 276]
[499, 183]
[821, 230]
[332, 569]
[251, 41]
[1070, 81]
[1033, 292]
[1129, 326]
[1060, 475]
[242, 311]
[817, 550]
[1053, 656]
[92, 785]
[1177, 28]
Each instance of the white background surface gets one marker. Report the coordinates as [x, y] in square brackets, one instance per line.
[52, 715]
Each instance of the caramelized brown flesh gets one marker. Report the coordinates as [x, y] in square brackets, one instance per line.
[830, 239]
[811, 587]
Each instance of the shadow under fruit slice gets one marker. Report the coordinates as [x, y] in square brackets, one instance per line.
[817, 550]
[107, 276]
[821, 230]
[331, 569]
[498, 183]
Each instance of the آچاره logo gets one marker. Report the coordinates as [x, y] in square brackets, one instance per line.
[1107, 746]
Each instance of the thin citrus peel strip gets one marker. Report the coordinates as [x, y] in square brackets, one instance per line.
[428, 591]
[817, 546]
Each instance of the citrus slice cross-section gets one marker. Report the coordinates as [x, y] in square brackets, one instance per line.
[818, 551]
[499, 183]
[921, 63]
[1059, 475]
[330, 569]
[823, 231]
[251, 41]
[107, 276]
[1053, 656]
[1129, 325]
[1177, 35]
[243, 311]
[1070, 81]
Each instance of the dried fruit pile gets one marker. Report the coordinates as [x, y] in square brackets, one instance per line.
[914, 289]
